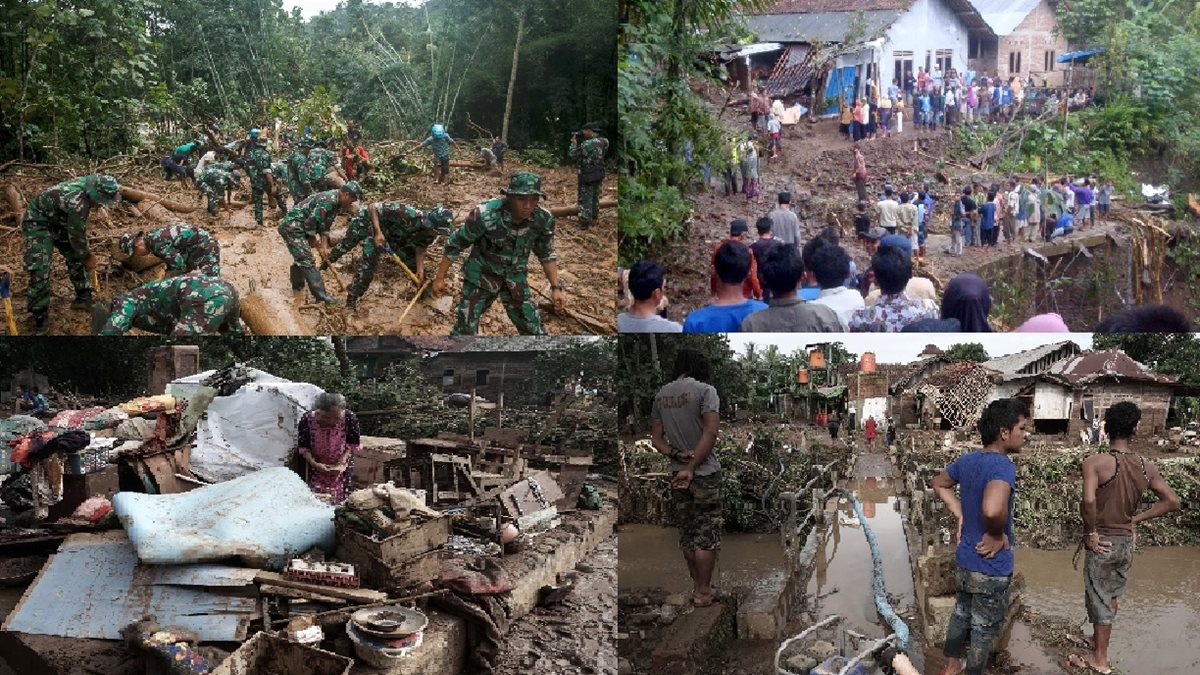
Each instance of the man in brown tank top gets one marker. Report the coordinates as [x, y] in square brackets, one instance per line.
[1113, 485]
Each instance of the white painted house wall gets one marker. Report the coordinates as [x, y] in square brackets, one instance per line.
[929, 26]
[872, 407]
[1051, 402]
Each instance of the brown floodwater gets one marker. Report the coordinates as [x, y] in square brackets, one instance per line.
[1159, 618]
[650, 556]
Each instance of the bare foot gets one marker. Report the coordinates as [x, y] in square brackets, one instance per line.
[1085, 661]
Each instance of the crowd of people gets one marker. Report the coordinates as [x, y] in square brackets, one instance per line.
[932, 100]
[776, 282]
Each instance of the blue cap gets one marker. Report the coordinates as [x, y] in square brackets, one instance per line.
[897, 241]
[254, 133]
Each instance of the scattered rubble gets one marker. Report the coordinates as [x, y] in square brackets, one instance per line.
[241, 554]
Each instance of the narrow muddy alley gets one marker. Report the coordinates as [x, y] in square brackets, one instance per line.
[841, 579]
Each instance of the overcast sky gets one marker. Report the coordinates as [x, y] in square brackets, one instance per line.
[904, 347]
[311, 8]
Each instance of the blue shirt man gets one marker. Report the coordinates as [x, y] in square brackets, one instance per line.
[984, 561]
[720, 318]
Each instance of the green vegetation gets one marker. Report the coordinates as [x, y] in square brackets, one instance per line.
[123, 76]
[663, 47]
[967, 351]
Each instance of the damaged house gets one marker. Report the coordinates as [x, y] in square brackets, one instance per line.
[836, 46]
[458, 364]
[215, 532]
[1076, 390]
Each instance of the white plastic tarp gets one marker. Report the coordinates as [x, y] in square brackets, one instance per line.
[252, 429]
[266, 517]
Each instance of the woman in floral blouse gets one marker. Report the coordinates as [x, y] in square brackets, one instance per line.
[327, 440]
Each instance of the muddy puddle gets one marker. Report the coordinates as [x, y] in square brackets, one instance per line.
[841, 579]
[650, 556]
[1159, 614]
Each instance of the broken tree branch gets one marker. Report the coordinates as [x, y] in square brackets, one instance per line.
[139, 196]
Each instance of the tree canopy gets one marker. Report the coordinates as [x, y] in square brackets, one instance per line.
[967, 351]
[107, 77]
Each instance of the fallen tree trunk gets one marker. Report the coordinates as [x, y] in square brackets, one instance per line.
[270, 312]
[560, 211]
[557, 211]
[138, 196]
[15, 201]
[463, 164]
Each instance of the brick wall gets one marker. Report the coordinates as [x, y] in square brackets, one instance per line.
[1032, 39]
[867, 385]
[1153, 399]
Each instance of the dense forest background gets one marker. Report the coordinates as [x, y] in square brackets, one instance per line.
[99, 78]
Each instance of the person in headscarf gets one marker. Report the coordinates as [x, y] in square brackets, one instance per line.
[1044, 323]
[968, 300]
[328, 437]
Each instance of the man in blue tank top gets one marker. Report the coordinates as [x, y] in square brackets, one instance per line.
[987, 480]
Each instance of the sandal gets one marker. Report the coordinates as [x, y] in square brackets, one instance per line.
[1081, 641]
[1075, 662]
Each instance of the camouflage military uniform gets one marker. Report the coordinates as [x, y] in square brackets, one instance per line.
[214, 182]
[56, 219]
[192, 304]
[311, 217]
[697, 510]
[497, 265]
[297, 176]
[320, 163]
[589, 156]
[406, 230]
[282, 181]
[185, 248]
[257, 166]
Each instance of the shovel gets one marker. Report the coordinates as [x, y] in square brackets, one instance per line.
[416, 281]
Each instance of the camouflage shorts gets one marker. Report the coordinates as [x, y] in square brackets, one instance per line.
[698, 513]
[1104, 578]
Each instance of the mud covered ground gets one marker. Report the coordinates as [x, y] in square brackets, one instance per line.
[254, 258]
[577, 636]
[815, 165]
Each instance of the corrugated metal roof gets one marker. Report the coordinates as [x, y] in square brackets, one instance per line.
[1112, 363]
[93, 587]
[1003, 16]
[814, 6]
[1010, 365]
[818, 26]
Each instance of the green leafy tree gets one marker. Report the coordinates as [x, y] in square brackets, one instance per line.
[645, 362]
[967, 351]
[661, 46]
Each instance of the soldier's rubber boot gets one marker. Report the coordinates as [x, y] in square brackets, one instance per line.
[297, 278]
[41, 322]
[317, 287]
[83, 300]
[352, 303]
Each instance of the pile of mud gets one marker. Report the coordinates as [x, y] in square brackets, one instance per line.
[255, 258]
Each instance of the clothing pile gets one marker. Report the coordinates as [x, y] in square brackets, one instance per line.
[384, 510]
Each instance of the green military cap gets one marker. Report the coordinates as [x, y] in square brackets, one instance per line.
[101, 189]
[353, 188]
[440, 219]
[524, 183]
